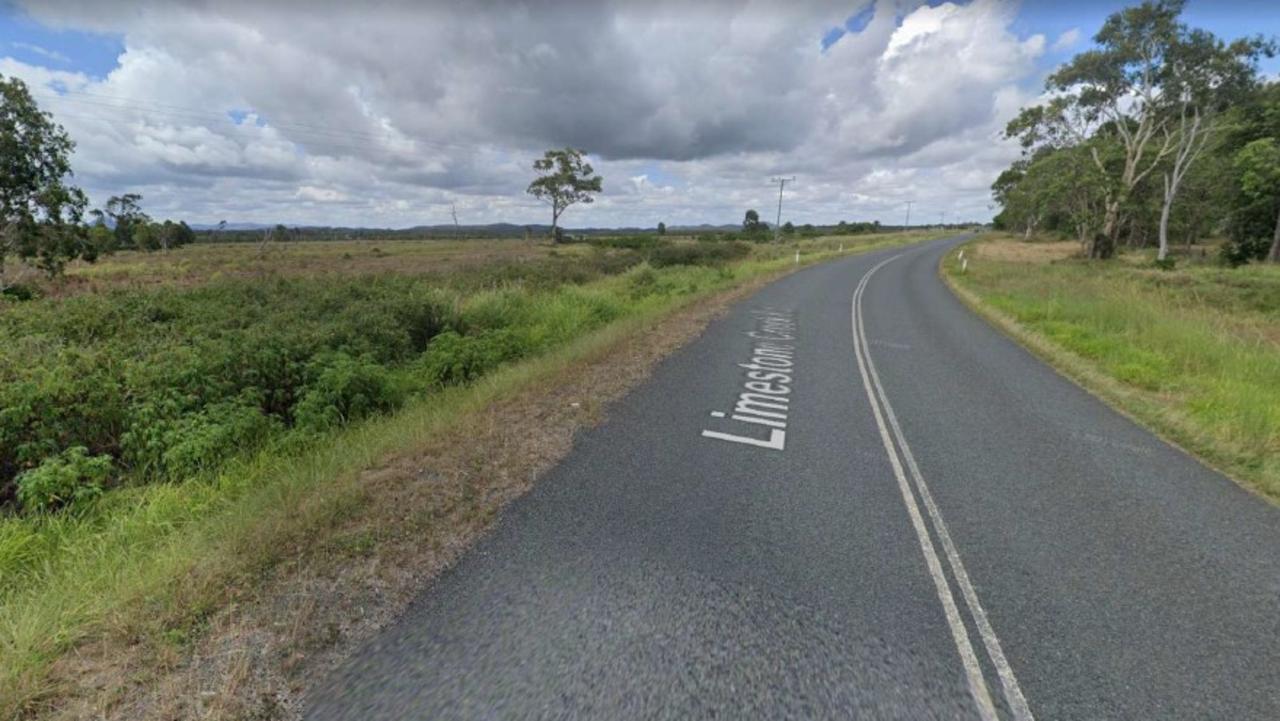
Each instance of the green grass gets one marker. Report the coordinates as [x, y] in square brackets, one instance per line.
[1194, 352]
[157, 559]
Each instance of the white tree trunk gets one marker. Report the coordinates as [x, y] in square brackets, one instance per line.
[1170, 189]
[1193, 136]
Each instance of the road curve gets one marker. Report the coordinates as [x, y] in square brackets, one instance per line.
[850, 497]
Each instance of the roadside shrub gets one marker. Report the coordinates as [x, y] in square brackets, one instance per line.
[203, 440]
[68, 478]
[345, 389]
[643, 283]
[631, 242]
[168, 382]
[20, 292]
[495, 309]
[698, 254]
[453, 358]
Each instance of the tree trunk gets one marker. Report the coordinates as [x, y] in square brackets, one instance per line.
[555, 224]
[4, 253]
[1104, 243]
[1274, 255]
[1170, 189]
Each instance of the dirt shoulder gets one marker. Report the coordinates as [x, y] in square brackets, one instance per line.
[416, 512]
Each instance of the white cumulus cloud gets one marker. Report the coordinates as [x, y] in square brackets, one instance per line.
[384, 115]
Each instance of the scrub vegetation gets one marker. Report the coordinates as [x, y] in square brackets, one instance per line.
[150, 427]
[1160, 135]
[1193, 352]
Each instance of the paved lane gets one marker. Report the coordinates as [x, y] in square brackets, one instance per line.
[790, 564]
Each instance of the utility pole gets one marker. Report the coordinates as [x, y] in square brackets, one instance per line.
[942, 218]
[453, 209]
[782, 183]
[907, 224]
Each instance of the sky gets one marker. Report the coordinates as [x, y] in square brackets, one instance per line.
[390, 114]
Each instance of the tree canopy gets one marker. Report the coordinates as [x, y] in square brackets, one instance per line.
[564, 179]
[40, 213]
[1121, 149]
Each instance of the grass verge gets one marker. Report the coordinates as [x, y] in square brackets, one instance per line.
[1192, 353]
[221, 596]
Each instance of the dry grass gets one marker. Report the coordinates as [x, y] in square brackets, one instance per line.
[198, 263]
[1012, 250]
[410, 516]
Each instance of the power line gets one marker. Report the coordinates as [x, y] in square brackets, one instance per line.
[168, 109]
[782, 183]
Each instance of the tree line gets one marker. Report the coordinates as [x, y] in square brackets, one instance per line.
[1161, 134]
[44, 219]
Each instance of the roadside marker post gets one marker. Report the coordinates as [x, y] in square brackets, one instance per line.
[797, 257]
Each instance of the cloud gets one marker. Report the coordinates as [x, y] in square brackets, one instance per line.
[42, 52]
[384, 115]
[1066, 40]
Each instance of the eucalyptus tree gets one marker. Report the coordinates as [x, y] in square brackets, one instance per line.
[128, 220]
[1113, 93]
[40, 214]
[564, 179]
[1203, 77]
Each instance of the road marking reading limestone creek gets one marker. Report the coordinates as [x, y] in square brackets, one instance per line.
[879, 399]
[767, 398]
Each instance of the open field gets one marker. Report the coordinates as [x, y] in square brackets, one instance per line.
[441, 260]
[239, 416]
[1192, 352]
[207, 262]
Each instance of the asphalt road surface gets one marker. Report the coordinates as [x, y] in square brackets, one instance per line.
[910, 517]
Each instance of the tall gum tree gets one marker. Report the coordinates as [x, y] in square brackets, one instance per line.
[1203, 77]
[564, 179]
[1114, 91]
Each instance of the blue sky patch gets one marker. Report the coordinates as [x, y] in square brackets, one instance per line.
[24, 39]
[856, 23]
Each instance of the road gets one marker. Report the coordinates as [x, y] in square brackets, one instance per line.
[945, 528]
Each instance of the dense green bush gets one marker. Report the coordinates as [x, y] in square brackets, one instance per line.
[701, 253]
[169, 382]
[163, 384]
[455, 358]
[63, 479]
[631, 242]
[19, 292]
[345, 389]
